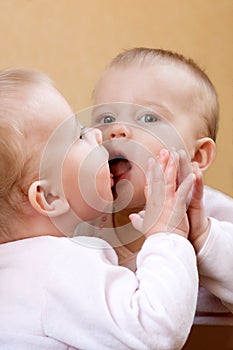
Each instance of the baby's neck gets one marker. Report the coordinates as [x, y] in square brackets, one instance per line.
[34, 225]
[29, 229]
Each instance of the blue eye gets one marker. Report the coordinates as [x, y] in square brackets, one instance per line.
[149, 118]
[107, 119]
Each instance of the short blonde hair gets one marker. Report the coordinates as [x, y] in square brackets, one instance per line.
[207, 96]
[14, 161]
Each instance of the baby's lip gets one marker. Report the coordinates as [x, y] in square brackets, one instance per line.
[111, 179]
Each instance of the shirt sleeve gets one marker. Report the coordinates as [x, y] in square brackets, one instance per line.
[92, 303]
[215, 259]
[215, 262]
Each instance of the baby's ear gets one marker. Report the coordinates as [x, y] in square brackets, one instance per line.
[204, 152]
[45, 202]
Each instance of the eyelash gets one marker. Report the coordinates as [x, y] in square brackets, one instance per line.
[101, 119]
[153, 116]
[82, 132]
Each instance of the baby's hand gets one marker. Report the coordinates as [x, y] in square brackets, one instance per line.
[166, 204]
[199, 222]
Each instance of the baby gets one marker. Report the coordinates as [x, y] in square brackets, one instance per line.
[58, 292]
[148, 99]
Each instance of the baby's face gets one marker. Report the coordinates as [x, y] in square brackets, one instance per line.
[141, 110]
[86, 176]
[73, 160]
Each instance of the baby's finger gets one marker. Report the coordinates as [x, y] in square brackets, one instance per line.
[171, 174]
[136, 221]
[141, 213]
[185, 167]
[154, 179]
[198, 188]
[163, 158]
[185, 188]
[179, 209]
[155, 194]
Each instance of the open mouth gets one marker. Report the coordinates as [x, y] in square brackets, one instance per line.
[119, 167]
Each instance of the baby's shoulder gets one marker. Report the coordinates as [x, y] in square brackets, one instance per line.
[218, 204]
[212, 193]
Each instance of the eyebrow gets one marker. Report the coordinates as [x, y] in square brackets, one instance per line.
[103, 105]
[154, 104]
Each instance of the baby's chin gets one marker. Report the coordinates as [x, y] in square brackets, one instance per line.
[105, 209]
[104, 200]
[127, 196]
[96, 209]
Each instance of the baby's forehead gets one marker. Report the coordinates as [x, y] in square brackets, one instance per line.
[172, 72]
[139, 83]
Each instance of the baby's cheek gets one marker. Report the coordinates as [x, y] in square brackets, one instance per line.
[104, 183]
[152, 146]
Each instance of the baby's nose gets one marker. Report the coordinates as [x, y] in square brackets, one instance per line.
[119, 131]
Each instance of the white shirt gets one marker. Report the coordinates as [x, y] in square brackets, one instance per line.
[215, 260]
[59, 293]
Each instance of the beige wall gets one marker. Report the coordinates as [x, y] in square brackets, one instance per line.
[72, 41]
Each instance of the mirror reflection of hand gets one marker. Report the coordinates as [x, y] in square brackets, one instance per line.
[166, 203]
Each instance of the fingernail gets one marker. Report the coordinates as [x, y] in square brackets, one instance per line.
[163, 153]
